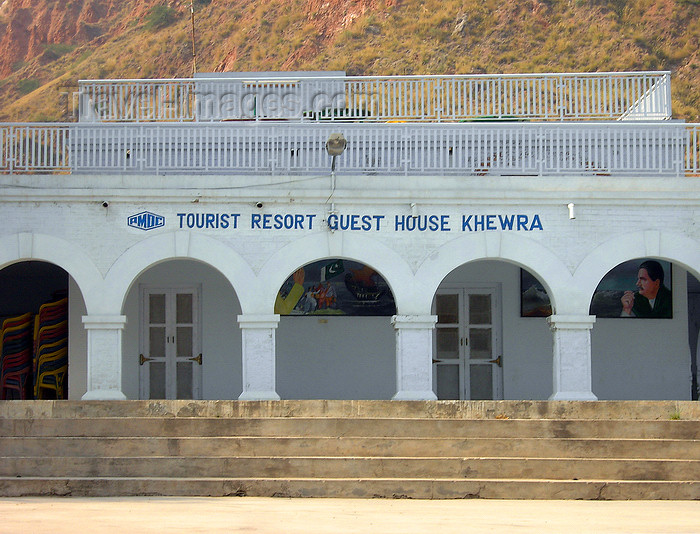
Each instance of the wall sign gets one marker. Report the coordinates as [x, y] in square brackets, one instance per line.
[145, 221]
[350, 222]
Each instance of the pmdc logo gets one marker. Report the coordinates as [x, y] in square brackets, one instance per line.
[145, 220]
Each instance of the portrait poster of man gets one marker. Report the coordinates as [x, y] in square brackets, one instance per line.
[335, 287]
[635, 289]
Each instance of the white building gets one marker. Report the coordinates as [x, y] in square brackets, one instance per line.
[174, 211]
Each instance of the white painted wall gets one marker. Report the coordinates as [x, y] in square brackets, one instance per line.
[77, 343]
[336, 358]
[221, 336]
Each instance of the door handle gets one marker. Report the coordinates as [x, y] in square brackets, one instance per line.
[197, 359]
[143, 359]
[497, 361]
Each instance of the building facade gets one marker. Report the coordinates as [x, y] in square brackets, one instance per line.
[472, 239]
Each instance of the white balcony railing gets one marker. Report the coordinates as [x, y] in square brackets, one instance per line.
[26, 147]
[538, 97]
[614, 148]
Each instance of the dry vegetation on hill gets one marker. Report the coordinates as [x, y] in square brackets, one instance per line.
[48, 45]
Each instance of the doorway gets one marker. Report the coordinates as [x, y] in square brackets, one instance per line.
[467, 343]
[170, 359]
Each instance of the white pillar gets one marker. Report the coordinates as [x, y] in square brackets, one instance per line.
[258, 337]
[572, 356]
[104, 356]
[414, 356]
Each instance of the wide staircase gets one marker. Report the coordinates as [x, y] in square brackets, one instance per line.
[364, 449]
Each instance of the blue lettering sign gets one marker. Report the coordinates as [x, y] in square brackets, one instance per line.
[282, 221]
[208, 220]
[356, 222]
[520, 222]
[145, 221]
[349, 222]
[422, 223]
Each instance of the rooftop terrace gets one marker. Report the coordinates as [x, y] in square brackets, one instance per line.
[278, 123]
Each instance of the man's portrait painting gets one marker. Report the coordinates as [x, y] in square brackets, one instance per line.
[638, 288]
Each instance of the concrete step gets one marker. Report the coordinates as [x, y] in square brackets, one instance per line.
[444, 449]
[359, 427]
[352, 487]
[598, 410]
[352, 446]
[357, 467]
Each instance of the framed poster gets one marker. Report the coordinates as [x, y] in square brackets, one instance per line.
[534, 300]
[335, 287]
[635, 289]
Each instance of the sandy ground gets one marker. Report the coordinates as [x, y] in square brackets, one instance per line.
[270, 515]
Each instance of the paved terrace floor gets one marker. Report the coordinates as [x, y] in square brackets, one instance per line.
[290, 516]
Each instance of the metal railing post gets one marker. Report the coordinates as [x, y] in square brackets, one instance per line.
[667, 87]
[12, 142]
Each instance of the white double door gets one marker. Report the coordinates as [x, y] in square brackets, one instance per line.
[467, 354]
[170, 359]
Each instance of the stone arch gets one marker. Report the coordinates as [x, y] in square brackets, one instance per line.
[522, 251]
[676, 248]
[178, 245]
[68, 256]
[644, 362]
[392, 267]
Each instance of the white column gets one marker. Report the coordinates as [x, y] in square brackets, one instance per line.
[258, 337]
[414, 356]
[572, 356]
[104, 356]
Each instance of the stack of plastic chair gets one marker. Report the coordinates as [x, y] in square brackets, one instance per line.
[16, 356]
[51, 350]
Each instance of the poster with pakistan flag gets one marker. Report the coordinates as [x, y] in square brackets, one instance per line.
[335, 287]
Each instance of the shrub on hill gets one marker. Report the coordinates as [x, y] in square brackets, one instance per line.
[160, 17]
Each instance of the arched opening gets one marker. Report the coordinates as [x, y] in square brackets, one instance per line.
[182, 339]
[35, 311]
[640, 344]
[335, 340]
[491, 340]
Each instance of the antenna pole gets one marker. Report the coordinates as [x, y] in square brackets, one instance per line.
[194, 50]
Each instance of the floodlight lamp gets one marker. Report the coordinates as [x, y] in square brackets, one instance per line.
[336, 144]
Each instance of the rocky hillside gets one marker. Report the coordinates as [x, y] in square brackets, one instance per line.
[47, 45]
